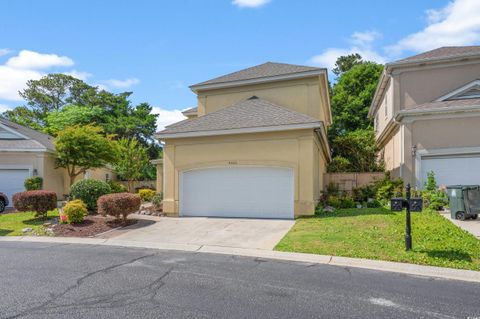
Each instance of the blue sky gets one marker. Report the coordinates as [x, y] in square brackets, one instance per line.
[158, 48]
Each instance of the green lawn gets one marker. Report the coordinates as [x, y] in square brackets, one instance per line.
[12, 224]
[377, 233]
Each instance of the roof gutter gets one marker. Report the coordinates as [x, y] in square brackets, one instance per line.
[197, 87]
[443, 110]
[262, 129]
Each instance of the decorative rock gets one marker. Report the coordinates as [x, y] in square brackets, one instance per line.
[328, 209]
[27, 230]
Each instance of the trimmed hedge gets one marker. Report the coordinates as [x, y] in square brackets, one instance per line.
[33, 183]
[146, 194]
[88, 191]
[119, 204]
[38, 201]
[75, 211]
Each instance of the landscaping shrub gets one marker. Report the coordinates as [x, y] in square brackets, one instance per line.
[89, 190]
[388, 188]
[157, 200]
[120, 204]
[146, 194]
[364, 193]
[341, 202]
[117, 187]
[433, 197]
[38, 201]
[373, 204]
[75, 211]
[33, 183]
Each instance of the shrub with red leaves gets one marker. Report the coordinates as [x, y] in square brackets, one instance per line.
[38, 201]
[119, 204]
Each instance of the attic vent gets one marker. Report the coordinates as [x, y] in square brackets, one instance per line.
[473, 92]
[253, 98]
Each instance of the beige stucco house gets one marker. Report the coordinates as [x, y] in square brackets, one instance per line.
[255, 145]
[25, 152]
[426, 111]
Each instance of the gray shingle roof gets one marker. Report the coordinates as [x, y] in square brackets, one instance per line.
[442, 53]
[260, 71]
[35, 139]
[250, 113]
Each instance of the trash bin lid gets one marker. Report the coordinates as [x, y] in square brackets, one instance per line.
[463, 187]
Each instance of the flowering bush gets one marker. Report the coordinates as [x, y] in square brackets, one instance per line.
[75, 211]
[146, 194]
[38, 201]
[119, 204]
[89, 190]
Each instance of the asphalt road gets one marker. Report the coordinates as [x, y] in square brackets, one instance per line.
[40, 280]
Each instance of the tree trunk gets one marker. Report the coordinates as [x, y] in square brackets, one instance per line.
[130, 186]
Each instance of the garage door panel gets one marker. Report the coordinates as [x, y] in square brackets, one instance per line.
[452, 170]
[256, 192]
[12, 180]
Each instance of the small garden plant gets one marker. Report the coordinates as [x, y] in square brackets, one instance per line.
[157, 200]
[146, 194]
[33, 183]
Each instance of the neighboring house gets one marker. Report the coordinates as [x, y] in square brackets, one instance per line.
[426, 111]
[255, 146]
[24, 153]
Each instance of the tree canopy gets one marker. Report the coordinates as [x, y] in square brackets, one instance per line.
[59, 100]
[351, 135]
[132, 161]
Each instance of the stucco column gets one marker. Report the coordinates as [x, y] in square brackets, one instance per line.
[159, 165]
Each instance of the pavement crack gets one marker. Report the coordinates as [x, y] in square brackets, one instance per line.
[50, 303]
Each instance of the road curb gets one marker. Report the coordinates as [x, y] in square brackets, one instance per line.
[388, 266]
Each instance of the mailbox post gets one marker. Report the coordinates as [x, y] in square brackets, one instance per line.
[410, 204]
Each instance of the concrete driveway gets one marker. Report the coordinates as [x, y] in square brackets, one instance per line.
[225, 232]
[472, 226]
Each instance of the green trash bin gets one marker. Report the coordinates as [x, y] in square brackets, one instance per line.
[464, 201]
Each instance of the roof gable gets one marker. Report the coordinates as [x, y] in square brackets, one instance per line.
[470, 90]
[9, 134]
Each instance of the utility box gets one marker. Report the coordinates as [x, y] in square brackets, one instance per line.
[464, 201]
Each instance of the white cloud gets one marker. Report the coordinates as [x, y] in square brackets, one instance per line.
[123, 84]
[13, 80]
[167, 117]
[79, 74]
[4, 108]
[361, 43]
[4, 51]
[33, 60]
[456, 24]
[250, 3]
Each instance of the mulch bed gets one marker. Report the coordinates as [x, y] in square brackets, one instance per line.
[91, 226]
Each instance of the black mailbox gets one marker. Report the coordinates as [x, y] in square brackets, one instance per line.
[416, 204]
[397, 204]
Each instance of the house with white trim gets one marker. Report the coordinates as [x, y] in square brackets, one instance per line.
[426, 112]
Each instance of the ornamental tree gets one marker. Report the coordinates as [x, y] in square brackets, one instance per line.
[80, 148]
[131, 162]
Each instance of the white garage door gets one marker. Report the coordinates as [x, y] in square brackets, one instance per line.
[11, 181]
[253, 192]
[451, 170]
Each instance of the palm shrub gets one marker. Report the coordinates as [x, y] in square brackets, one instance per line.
[89, 191]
